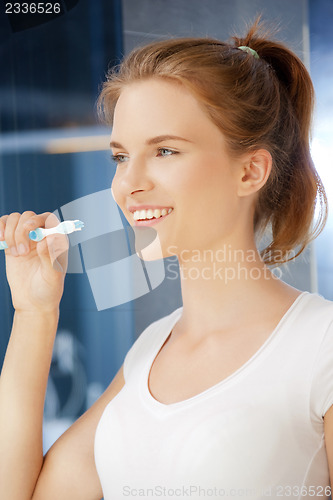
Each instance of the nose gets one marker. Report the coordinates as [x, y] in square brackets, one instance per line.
[135, 177]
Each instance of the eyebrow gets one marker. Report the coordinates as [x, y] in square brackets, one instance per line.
[153, 140]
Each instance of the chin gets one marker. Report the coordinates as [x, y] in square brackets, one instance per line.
[147, 244]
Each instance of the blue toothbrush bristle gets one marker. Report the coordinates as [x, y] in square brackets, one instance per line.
[78, 224]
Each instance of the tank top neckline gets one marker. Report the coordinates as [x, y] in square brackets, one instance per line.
[173, 318]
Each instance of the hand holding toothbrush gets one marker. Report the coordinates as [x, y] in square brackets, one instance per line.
[65, 227]
[35, 265]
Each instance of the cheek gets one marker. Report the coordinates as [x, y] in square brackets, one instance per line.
[119, 197]
[189, 179]
[210, 192]
[115, 191]
[207, 181]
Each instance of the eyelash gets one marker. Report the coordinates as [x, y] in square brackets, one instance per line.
[116, 159]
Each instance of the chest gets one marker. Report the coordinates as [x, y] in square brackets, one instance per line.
[179, 372]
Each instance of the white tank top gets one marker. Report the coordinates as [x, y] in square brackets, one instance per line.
[256, 434]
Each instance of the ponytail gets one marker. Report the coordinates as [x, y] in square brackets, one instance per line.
[287, 202]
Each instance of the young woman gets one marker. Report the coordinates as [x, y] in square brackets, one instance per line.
[231, 394]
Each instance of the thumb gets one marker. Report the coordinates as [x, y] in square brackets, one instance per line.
[43, 252]
[52, 254]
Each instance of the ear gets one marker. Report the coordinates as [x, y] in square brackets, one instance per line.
[254, 172]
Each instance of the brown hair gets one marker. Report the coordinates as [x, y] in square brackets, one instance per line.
[256, 103]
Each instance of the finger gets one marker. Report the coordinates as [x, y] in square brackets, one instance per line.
[51, 220]
[3, 220]
[47, 219]
[43, 253]
[28, 222]
[57, 244]
[53, 251]
[22, 233]
[10, 228]
[58, 249]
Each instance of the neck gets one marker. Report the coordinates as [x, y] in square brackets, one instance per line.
[224, 287]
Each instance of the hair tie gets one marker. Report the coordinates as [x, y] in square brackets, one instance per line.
[249, 51]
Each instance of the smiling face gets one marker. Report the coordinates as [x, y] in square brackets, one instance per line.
[172, 158]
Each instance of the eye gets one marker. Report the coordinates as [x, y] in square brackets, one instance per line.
[166, 152]
[118, 158]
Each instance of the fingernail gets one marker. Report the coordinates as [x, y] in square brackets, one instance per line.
[22, 249]
[13, 251]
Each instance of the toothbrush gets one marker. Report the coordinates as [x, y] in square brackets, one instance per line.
[38, 234]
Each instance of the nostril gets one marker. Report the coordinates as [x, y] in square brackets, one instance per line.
[137, 191]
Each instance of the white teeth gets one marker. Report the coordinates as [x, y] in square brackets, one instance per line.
[150, 214]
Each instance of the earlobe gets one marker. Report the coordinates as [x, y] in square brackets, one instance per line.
[255, 172]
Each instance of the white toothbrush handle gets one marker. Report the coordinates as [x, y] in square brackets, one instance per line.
[46, 232]
[66, 227]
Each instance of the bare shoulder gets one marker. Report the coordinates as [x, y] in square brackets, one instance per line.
[69, 470]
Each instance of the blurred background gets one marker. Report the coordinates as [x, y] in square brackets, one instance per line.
[54, 157]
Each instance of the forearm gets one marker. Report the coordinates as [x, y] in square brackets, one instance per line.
[23, 384]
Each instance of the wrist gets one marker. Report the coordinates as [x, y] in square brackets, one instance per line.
[39, 325]
[38, 313]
